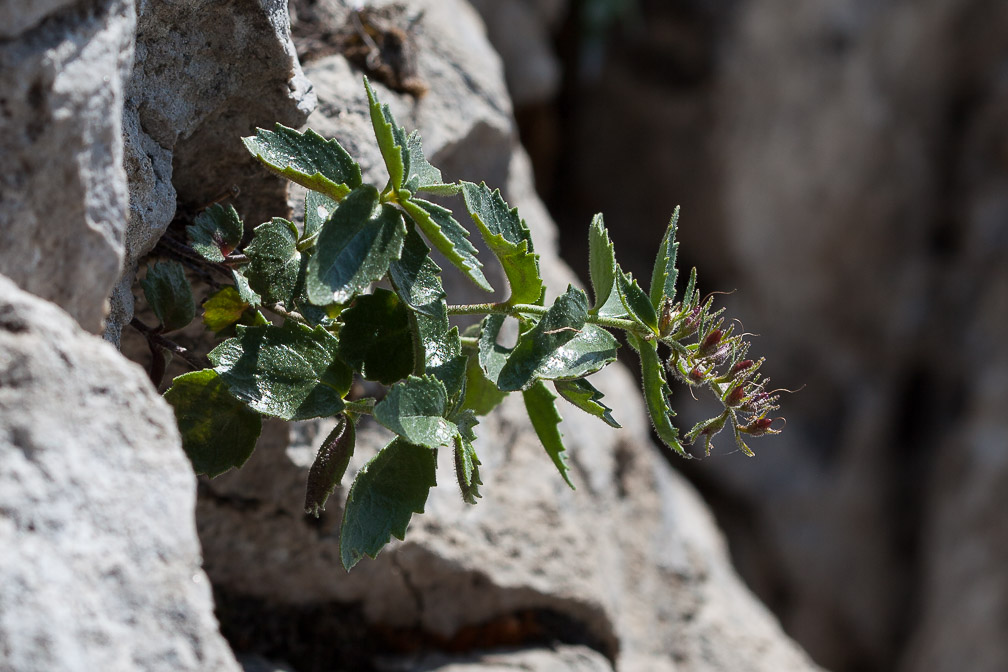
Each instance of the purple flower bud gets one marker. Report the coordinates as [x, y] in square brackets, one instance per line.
[742, 366]
[736, 396]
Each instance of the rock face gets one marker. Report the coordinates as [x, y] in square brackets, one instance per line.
[101, 564]
[629, 566]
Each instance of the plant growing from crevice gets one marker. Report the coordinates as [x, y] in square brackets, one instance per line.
[330, 325]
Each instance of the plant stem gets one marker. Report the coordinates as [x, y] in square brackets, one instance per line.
[153, 336]
[514, 310]
[361, 406]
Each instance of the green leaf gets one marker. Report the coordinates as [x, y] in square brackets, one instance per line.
[246, 292]
[355, 248]
[546, 421]
[223, 308]
[665, 273]
[306, 158]
[169, 294]
[636, 302]
[274, 261]
[656, 393]
[689, 300]
[585, 396]
[215, 232]
[329, 466]
[508, 238]
[601, 261]
[467, 470]
[376, 338]
[481, 395]
[448, 236]
[290, 372]
[415, 409]
[422, 175]
[386, 493]
[492, 356]
[218, 431]
[318, 209]
[391, 139]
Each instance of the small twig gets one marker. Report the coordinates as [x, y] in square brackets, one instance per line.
[153, 336]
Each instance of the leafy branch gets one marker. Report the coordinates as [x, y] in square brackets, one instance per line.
[318, 280]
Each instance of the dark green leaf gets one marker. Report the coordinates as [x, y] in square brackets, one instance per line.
[422, 175]
[508, 238]
[355, 248]
[222, 309]
[415, 409]
[467, 470]
[215, 232]
[274, 261]
[244, 290]
[169, 294]
[585, 396]
[329, 466]
[492, 356]
[318, 209]
[290, 372]
[448, 236]
[306, 158]
[218, 431]
[546, 421]
[656, 393]
[481, 395]
[384, 496]
[601, 261]
[636, 302]
[391, 139]
[665, 273]
[376, 338]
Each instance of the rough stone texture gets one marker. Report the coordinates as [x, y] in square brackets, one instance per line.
[63, 69]
[629, 565]
[556, 659]
[101, 564]
[206, 74]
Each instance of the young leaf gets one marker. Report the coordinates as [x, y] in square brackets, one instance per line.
[218, 431]
[492, 356]
[656, 393]
[601, 261]
[318, 208]
[688, 299]
[274, 261]
[215, 232]
[376, 338]
[386, 493]
[355, 248]
[546, 420]
[223, 308]
[169, 294]
[330, 464]
[448, 236]
[290, 372]
[467, 470]
[415, 409]
[481, 395]
[391, 139]
[636, 302]
[665, 273]
[585, 396]
[306, 158]
[422, 175]
[509, 239]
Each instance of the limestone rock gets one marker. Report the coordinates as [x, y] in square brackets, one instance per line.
[101, 564]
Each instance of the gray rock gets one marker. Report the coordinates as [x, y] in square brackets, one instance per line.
[556, 659]
[101, 564]
[63, 193]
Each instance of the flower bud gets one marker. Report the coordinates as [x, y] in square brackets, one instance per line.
[759, 427]
[744, 365]
[736, 396]
[665, 321]
[711, 341]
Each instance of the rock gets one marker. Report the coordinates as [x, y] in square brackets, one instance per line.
[101, 564]
[630, 565]
[556, 659]
[63, 71]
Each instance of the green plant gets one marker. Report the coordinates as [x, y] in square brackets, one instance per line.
[334, 327]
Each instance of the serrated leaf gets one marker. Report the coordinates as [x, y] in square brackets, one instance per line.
[508, 238]
[391, 139]
[601, 262]
[218, 431]
[422, 175]
[274, 261]
[546, 422]
[689, 300]
[665, 273]
[448, 236]
[355, 247]
[318, 209]
[386, 493]
[306, 158]
[467, 470]
[415, 409]
[376, 338]
[291, 372]
[169, 294]
[329, 466]
[636, 302]
[656, 393]
[215, 232]
[223, 308]
[481, 395]
[585, 396]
